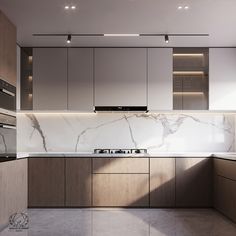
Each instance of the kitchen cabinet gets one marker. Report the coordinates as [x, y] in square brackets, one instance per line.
[13, 189]
[225, 187]
[162, 182]
[190, 78]
[80, 79]
[8, 50]
[194, 180]
[222, 92]
[120, 190]
[46, 182]
[49, 78]
[78, 182]
[160, 86]
[120, 76]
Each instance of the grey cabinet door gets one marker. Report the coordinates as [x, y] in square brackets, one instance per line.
[160, 86]
[80, 79]
[194, 179]
[222, 82]
[49, 78]
[120, 77]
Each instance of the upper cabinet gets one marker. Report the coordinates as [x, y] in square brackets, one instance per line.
[222, 79]
[120, 76]
[80, 79]
[49, 78]
[7, 50]
[160, 66]
[190, 79]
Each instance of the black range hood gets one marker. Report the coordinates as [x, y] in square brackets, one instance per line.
[120, 109]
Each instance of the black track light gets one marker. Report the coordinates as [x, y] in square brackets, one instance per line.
[68, 38]
[166, 38]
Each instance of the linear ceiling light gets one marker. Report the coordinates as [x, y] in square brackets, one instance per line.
[188, 72]
[188, 54]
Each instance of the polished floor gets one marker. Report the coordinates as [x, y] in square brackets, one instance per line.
[125, 222]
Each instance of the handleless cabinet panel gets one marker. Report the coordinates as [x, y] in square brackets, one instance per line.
[225, 168]
[49, 78]
[222, 92]
[120, 165]
[160, 88]
[78, 182]
[120, 190]
[194, 180]
[162, 182]
[7, 50]
[80, 79]
[13, 189]
[46, 182]
[120, 76]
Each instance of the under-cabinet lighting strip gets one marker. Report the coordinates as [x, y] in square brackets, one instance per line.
[188, 93]
[188, 54]
[188, 72]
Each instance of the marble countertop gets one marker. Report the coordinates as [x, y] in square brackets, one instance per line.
[223, 155]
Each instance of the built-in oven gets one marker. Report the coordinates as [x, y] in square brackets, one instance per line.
[7, 96]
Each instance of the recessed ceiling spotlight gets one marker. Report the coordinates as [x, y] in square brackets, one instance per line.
[186, 7]
[73, 7]
[180, 7]
[67, 7]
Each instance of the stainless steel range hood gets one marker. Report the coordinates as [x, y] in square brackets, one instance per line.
[120, 109]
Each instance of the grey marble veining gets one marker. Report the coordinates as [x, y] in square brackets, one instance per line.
[7, 140]
[126, 222]
[155, 132]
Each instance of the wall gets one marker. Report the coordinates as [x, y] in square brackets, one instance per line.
[156, 132]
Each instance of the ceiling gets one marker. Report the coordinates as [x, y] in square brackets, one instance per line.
[215, 17]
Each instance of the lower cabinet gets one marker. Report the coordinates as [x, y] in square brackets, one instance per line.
[194, 181]
[46, 182]
[13, 189]
[78, 182]
[225, 187]
[127, 190]
[162, 182]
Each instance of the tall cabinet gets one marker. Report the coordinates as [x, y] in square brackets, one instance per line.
[7, 50]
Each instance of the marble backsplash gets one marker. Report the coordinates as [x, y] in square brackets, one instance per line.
[156, 132]
[7, 141]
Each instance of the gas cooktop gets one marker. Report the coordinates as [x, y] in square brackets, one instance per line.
[120, 151]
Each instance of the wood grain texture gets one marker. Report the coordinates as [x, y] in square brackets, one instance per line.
[13, 188]
[78, 182]
[7, 50]
[162, 182]
[225, 196]
[120, 165]
[121, 190]
[225, 168]
[46, 182]
[194, 181]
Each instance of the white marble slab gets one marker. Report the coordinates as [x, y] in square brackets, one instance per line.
[156, 132]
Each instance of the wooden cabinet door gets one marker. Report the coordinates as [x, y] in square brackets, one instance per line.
[162, 182]
[120, 76]
[194, 180]
[49, 78]
[121, 190]
[78, 182]
[13, 189]
[80, 79]
[7, 50]
[160, 88]
[225, 196]
[46, 182]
